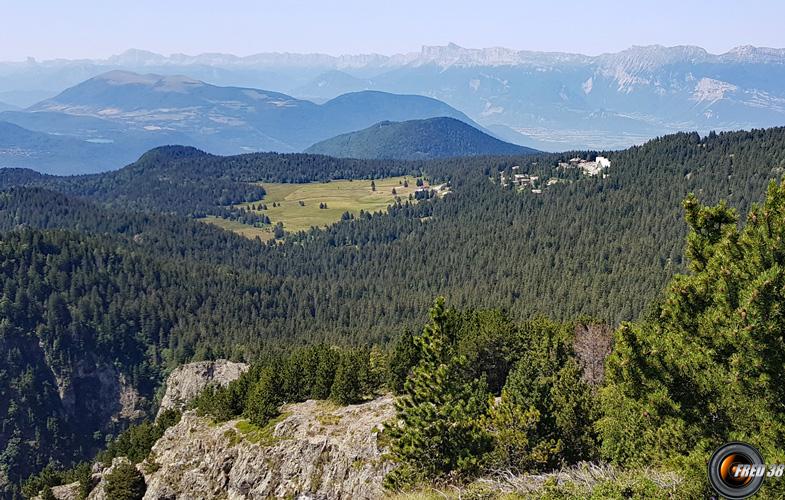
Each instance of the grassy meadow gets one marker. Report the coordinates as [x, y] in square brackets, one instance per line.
[339, 196]
[265, 233]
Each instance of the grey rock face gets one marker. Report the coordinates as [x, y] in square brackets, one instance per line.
[187, 381]
[64, 492]
[98, 493]
[314, 450]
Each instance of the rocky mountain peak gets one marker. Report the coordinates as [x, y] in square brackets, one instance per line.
[752, 54]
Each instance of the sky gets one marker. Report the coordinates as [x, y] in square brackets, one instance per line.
[46, 29]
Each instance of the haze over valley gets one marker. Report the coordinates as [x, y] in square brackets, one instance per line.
[117, 116]
[551, 101]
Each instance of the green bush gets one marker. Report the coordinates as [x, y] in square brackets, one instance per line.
[125, 482]
[544, 417]
[709, 367]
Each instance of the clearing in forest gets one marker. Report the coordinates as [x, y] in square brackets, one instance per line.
[301, 206]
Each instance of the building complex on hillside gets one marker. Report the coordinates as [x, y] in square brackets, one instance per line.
[595, 167]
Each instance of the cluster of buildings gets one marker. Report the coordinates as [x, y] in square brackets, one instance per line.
[518, 179]
[427, 191]
[514, 177]
[589, 167]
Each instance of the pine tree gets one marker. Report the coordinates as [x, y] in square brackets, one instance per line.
[125, 483]
[707, 367]
[264, 398]
[438, 429]
[346, 385]
[377, 363]
[325, 373]
[545, 415]
[404, 357]
[295, 385]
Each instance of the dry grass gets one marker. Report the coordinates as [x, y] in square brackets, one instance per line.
[297, 205]
[339, 196]
[583, 476]
[261, 435]
[250, 232]
[578, 482]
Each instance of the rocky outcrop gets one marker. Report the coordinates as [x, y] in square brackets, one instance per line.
[187, 381]
[64, 492]
[315, 449]
[71, 491]
[99, 473]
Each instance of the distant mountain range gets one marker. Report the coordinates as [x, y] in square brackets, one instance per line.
[416, 140]
[7, 107]
[557, 100]
[50, 153]
[122, 114]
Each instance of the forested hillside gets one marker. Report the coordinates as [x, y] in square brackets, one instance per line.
[416, 140]
[597, 245]
[190, 182]
[112, 280]
[479, 393]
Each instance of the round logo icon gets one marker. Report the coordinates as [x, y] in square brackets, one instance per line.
[736, 470]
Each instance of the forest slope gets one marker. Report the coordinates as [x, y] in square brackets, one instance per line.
[112, 280]
[416, 140]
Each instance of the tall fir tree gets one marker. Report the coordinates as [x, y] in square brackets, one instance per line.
[326, 364]
[264, 398]
[346, 386]
[404, 357]
[438, 429]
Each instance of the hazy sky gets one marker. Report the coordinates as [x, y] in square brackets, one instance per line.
[98, 28]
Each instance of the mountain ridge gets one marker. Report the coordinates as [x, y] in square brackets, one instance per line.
[565, 101]
[7, 107]
[439, 137]
[128, 113]
[426, 53]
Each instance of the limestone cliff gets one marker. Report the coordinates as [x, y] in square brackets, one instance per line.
[314, 449]
[187, 381]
